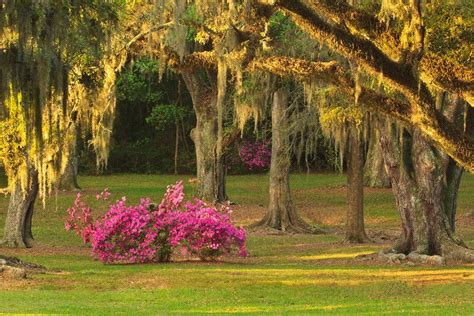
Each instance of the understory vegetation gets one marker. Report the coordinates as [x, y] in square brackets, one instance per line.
[284, 273]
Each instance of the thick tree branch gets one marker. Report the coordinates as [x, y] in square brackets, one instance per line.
[448, 76]
[445, 134]
[360, 50]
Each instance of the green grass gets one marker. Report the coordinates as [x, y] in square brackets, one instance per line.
[286, 274]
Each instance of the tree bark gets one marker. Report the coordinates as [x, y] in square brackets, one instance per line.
[176, 148]
[375, 175]
[355, 231]
[209, 164]
[425, 185]
[281, 213]
[68, 179]
[20, 211]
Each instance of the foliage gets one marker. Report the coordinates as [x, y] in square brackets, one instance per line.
[164, 115]
[257, 155]
[148, 233]
[42, 44]
[450, 30]
[138, 83]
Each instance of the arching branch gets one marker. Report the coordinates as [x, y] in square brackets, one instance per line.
[435, 70]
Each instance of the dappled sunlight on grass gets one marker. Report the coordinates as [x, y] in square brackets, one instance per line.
[285, 273]
[335, 255]
[276, 309]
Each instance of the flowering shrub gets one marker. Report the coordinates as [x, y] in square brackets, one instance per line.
[146, 233]
[207, 232]
[80, 219]
[256, 156]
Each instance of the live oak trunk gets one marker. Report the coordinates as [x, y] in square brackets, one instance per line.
[17, 231]
[355, 231]
[281, 214]
[68, 179]
[209, 164]
[425, 183]
[375, 175]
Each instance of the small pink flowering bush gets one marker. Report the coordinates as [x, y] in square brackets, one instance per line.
[149, 233]
[256, 156]
[208, 233]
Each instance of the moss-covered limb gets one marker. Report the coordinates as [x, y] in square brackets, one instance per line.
[298, 68]
[445, 134]
[434, 125]
[398, 76]
[360, 23]
[191, 62]
[448, 76]
[434, 69]
[361, 50]
[142, 35]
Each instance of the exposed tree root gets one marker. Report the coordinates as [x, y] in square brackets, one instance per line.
[456, 252]
[451, 251]
[14, 268]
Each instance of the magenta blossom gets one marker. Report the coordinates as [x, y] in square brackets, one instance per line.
[256, 156]
[145, 233]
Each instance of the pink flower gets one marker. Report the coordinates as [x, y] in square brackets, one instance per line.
[144, 233]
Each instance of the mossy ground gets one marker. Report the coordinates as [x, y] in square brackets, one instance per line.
[284, 274]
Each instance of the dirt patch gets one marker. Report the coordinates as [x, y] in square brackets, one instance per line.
[45, 250]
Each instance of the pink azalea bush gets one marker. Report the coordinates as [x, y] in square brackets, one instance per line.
[256, 156]
[149, 233]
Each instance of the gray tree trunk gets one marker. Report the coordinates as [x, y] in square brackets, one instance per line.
[375, 175]
[425, 183]
[18, 223]
[281, 213]
[68, 179]
[355, 230]
[209, 164]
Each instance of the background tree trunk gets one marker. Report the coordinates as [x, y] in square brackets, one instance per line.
[68, 179]
[375, 175]
[355, 231]
[209, 164]
[176, 147]
[281, 214]
[20, 211]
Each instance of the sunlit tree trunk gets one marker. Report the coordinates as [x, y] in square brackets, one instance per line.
[209, 164]
[17, 231]
[355, 231]
[281, 213]
[425, 183]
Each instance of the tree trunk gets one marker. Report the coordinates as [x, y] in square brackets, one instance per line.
[355, 231]
[176, 148]
[68, 179]
[425, 184]
[375, 175]
[20, 211]
[281, 214]
[209, 164]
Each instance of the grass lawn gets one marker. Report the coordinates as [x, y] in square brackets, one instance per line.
[285, 273]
